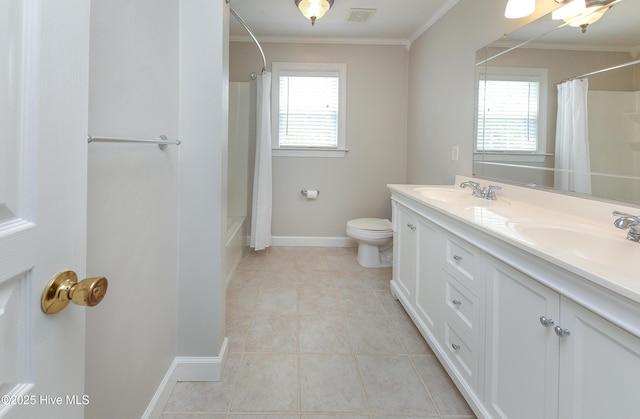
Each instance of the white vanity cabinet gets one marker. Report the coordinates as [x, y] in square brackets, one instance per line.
[405, 248]
[436, 277]
[522, 354]
[429, 284]
[599, 367]
[490, 311]
[589, 368]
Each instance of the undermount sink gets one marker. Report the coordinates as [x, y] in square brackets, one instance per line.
[459, 196]
[583, 241]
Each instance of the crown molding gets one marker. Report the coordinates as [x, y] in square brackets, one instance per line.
[437, 15]
[323, 40]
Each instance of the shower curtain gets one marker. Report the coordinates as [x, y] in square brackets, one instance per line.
[262, 193]
[572, 138]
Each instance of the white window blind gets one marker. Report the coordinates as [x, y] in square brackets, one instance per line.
[508, 115]
[308, 111]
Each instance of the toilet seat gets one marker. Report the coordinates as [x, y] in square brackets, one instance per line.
[371, 224]
[371, 230]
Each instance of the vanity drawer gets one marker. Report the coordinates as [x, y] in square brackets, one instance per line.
[462, 306]
[463, 261]
[463, 354]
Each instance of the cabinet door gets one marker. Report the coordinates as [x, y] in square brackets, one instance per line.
[522, 355]
[405, 243]
[599, 367]
[429, 286]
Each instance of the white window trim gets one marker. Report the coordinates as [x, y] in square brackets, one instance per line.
[309, 69]
[516, 73]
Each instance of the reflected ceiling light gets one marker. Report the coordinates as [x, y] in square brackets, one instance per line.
[583, 13]
[519, 8]
[314, 9]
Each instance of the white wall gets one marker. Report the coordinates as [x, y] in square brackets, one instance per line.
[204, 104]
[441, 87]
[132, 203]
[353, 186]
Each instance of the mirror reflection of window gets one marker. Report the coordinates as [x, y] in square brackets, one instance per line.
[510, 116]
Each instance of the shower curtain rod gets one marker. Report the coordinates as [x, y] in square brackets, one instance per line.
[244, 25]
[604, 70]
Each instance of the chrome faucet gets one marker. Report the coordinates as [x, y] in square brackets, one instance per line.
[628, 221]
[480, 192]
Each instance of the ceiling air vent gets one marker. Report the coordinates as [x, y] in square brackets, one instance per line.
[360, 15]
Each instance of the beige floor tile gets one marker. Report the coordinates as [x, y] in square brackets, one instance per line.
[267, 383]
[317, 279]
[295, 318]
[192, 416]
[392, 386]
[276, 301]
[330, 383]
[444, 392]
[262, 416]
[280, 279]
[360, 303]
[241, 300]
[237, 330]
[352, 280]
[318, 301]
[334, 416]
[273, 334]
[206, 396]
[410, 336]
[373, 335]
[323, 334]
[392, 308]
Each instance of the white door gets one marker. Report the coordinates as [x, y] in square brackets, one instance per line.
[43, 130]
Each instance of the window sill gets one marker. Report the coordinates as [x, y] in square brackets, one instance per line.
[308, 152]
[511, 157]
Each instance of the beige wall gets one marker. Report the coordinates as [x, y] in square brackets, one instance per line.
[353, 186]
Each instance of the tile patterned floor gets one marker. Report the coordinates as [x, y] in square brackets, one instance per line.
[312, 335]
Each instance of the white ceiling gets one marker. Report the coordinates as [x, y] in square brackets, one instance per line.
[395, 21]
[400, 22]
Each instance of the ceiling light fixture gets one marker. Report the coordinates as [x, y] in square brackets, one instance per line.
[582, 13]
[314, 9]
[519, 8]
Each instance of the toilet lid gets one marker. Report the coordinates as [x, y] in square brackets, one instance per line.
[372, 224]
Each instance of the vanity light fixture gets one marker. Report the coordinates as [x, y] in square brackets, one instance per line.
[314, 9]
[519, 8]
[581, 13]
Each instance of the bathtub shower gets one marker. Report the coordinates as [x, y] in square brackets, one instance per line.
[242, 96]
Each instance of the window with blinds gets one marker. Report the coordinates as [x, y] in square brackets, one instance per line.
[509, 111]
[308, 109]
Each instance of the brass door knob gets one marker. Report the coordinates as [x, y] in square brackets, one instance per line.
[64, 287]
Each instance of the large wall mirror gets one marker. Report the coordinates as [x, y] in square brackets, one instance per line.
[558, 106]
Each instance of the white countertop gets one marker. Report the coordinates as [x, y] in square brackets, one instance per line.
[576, 234]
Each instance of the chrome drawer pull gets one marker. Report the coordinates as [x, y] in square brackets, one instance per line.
[456, 302]
[457, 258]
[546, 322]
[562, 332]
[455, 346]
[411, 226]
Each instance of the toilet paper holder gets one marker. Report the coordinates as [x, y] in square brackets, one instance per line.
[305, 191]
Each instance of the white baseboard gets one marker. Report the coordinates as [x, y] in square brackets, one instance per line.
[294, 241]
[186, 368]
[304, 241]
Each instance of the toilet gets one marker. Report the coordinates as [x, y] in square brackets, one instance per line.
[375, 239]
